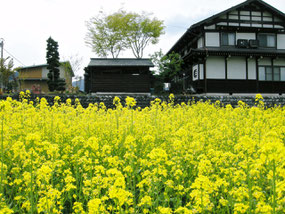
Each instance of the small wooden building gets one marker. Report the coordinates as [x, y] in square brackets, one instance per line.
[118, 76]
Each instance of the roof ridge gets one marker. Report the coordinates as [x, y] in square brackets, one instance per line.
[119, 58]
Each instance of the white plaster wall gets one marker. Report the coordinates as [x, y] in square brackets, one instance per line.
[212, 39]
[233, 17]
[62, 72]
[201, 71]
[236, 68]
[256, 13]
[245, 36]
[267, 26]
[245, 13]
[200, 43]
[254, 18]
[44, 73]
[264, 61]
[247, 18]
[280, 41]
[215, 68]
[233, 24]
[244, 25]
[278, 27]
[222, 23]
[268, 19]
[211, 27]
[279, 62]
[256, 25]
[251, 69]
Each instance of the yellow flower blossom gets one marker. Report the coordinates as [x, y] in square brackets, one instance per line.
[199, 157]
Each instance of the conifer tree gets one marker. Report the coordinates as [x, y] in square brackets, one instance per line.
[52, 56]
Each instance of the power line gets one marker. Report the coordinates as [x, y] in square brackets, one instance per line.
[13, 57]
[185, 28]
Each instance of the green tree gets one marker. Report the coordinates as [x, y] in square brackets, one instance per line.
[141, 31]
[52, 57]
[111, 34]
[168, 66]
[106, 34]
[7, 73]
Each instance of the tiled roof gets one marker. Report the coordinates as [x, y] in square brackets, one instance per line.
[122, 62]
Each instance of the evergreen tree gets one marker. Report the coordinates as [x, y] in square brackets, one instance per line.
[54, 82]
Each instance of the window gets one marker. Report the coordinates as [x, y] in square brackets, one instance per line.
[268, 74]
[265, 73]
[276, 74]
[261, 73]
[282, 73]
[228, 39]
[267, 40]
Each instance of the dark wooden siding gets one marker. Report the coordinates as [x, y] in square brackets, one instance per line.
[271, 87]
[232, 86]
[125, 79]
[239, 86]
[120, 83]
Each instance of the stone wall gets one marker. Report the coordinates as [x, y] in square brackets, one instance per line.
[143, 101]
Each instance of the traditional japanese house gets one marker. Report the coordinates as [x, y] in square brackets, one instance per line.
[118, 76]
[240, 50]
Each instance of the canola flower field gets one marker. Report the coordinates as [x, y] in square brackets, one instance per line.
[166, 158]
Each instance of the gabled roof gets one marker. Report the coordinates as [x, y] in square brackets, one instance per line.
[121, 62]
[189, 32]
[33, 66]
[45, 65]
[268, 6]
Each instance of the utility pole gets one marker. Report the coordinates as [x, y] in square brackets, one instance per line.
[1, 62]
[2, 47]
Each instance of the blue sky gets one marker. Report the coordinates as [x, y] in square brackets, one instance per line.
[26, 25]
